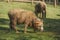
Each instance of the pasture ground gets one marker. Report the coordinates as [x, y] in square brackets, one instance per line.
[51, 24]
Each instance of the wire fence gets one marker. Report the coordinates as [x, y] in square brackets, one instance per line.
[32, 1]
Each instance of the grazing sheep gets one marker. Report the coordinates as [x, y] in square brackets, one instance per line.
[40, 8]
[18, 16]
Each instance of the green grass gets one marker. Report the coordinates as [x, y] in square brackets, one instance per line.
[51, 24]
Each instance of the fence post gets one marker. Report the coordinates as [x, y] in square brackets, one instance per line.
[32, 2]
[8, 1]
[43, 0]
[49, 1]
[55, 3]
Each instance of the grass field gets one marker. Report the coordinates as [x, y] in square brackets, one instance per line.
[51, 24]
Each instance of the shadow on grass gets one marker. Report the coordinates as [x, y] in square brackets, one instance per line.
[52, 25]
[58, 14]
[57, 37]
[4, 21]
[3, 28]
